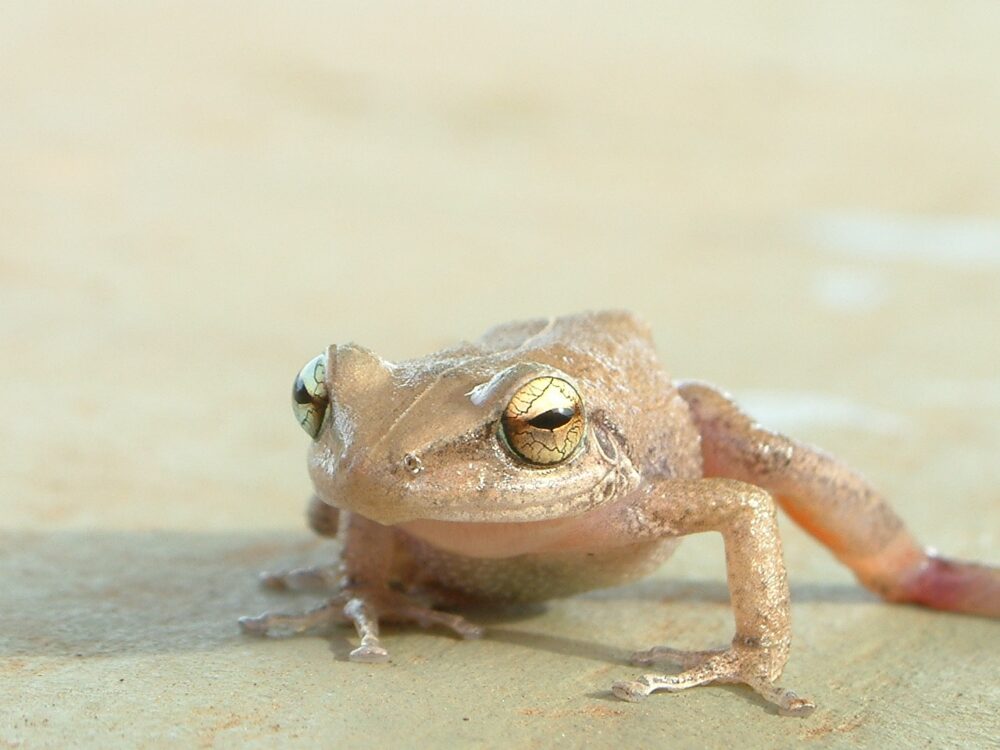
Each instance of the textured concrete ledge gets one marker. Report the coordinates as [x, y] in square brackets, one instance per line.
[197, 199]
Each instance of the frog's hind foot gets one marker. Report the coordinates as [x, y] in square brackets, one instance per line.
[703, 667]
[363, 609]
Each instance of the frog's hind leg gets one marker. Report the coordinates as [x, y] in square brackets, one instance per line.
[839, 508]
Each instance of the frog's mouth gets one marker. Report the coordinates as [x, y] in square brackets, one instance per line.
[596, 524]
[430, 506]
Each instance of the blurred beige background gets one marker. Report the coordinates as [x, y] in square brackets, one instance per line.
[195, 198]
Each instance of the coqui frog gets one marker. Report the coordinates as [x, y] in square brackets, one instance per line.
[555, 456]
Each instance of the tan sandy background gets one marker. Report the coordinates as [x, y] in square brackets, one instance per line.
[195, 198]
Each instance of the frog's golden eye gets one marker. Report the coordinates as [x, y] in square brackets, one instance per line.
[543, 423]
[309, 396]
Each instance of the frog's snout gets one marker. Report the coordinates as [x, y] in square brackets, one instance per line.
[310, 396]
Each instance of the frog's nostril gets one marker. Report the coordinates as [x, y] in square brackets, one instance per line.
[412, 464]
[310, 398]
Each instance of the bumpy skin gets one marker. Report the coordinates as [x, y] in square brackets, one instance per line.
[433, 507]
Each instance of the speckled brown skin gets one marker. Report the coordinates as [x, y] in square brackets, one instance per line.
[412, 474]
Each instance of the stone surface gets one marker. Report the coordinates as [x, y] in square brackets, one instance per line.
[197, 198]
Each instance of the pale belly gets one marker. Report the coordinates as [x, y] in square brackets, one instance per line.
[534, 576]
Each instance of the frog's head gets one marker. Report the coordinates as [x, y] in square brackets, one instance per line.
[480, 433]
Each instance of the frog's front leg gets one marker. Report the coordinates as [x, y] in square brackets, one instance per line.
[745, 516]
[362, 596]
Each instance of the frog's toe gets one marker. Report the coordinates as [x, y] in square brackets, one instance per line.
[632, 691]
[787, 702]
[369, 653]
[426, 617]
[635, 690]
[279, 624]
[364, 608]
[745, 666]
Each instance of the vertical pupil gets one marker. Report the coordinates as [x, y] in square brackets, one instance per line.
[300, 392]
[553, 418]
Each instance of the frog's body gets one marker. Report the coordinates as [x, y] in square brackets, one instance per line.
[531, 577]
[556, 456]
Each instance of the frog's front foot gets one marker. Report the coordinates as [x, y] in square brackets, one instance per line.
[364, 608]
[753, 666]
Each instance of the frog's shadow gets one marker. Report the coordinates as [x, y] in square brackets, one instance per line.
[98, 593]
[670, 592]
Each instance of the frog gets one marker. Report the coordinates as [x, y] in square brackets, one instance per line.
[555, 456]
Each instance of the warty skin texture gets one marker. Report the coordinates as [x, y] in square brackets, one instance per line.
[415, 475]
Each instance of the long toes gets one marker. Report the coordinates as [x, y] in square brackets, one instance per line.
[269, 624]
[709, 666]
[279, 624]
[632, 691]
[797, 706]
[787, 702]
[254, 625]
[638, 689]
[635, 690]
[369, 654]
